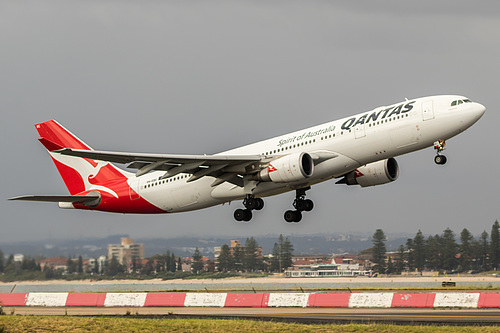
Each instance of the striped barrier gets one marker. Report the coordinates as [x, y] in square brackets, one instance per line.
[257, 300]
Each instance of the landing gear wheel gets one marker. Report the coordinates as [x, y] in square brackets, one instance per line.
[300, 205]
[239, 214]
[248, 215]
[440, 159]
[260, 204]
[244, 215]
[250, 203]
[309, 205]
[293, 216]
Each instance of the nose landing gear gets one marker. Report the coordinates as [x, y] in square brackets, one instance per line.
[250, 203]
[301, 204]
[440, 146]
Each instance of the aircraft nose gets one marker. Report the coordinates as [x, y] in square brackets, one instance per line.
[479, 110]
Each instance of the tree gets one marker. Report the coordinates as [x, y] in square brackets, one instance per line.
[224, 261]
[173, 267]
[466, 250]
[148, 268]
[390, 266]
[286, 252]
[419, 251]
[197, 265]
[409, 257]
[276, 260]
[179, 264]
[79, 267]
[251, 261]
[400, 261]
[167, 264]
[484, 249]
[282, 255]
[71, 266]
[449, 250]
[495, 245]
[238, 258]
[433, 250]
[95, 269]
[1, 262]
[379, 250]
[113, 267]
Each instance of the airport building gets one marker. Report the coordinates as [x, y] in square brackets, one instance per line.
[327, 270]
[236, 245]
[126, 251]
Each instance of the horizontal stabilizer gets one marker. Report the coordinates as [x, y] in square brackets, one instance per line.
[58, 198]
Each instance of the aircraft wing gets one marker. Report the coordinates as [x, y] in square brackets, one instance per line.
[230, 168]
[223, 167]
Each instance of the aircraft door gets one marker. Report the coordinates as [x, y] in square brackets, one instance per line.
[359, 131]
[427, 110]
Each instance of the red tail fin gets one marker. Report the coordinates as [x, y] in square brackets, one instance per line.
[54, 132]
[79, 174]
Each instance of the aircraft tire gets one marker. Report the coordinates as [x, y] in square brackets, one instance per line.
[440, 159]
[251, 203]
[301, 205]
[309, 205]
[239, 214]
[298, 216]
[247, 215]
[260, 204]
[290, 216]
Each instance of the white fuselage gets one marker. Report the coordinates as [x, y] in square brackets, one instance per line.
[358, 140]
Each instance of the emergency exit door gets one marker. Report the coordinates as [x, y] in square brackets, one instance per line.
[427, 110]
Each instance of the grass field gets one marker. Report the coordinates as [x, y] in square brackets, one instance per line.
[90, 324]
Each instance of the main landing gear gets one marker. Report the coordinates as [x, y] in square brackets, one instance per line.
[250, 203]
[440, 146]
[301, 204]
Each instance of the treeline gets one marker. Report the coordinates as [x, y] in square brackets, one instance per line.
[231, 262]
[441, 252]
[248, 258]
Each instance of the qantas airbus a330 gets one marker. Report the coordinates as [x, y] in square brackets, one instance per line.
[359, 150]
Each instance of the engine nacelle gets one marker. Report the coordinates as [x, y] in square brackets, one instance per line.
[289, 168]
[376, 173]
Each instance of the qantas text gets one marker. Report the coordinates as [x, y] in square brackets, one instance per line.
[374, 116]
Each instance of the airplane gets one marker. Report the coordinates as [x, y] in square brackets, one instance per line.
[357, 150]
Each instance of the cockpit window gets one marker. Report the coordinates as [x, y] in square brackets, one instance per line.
[460, 101]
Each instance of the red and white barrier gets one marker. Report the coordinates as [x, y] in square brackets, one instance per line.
[413, 300]
[257, 300]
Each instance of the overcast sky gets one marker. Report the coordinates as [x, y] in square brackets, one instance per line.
[199, 77]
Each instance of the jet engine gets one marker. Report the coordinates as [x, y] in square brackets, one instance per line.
[376, 173]
[289, 168]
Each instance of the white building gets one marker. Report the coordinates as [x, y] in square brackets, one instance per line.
[327, 270]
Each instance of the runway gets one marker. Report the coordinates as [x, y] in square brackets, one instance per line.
[299, 315]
